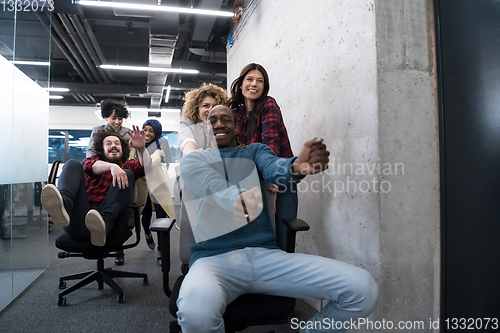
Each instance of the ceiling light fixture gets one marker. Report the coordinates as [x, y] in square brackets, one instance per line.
[56, 97]
[58, 89]
[167, 94]
[153, 7]
[151, 69]
[34, 63]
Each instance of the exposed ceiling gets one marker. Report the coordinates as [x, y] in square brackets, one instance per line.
[85, 37]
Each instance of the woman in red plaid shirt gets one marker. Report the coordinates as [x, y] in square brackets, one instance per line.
[259, 119]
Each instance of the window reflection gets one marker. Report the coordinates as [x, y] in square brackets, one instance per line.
[5, 216]
[175, 151]
[78, 140]
[56, 146]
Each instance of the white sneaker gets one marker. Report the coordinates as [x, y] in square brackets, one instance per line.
[53, 203]
[97, 227]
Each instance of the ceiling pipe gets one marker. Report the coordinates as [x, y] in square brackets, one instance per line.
[85, 97]
[92, 100]
[63, 48]
[88, 45]
[78, 99]
[62, 34]
[74, 37]
[97, 49]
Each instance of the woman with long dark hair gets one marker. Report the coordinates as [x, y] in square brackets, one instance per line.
[259, 120]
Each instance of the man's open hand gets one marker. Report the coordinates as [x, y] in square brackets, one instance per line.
[312, 159]
[248, 205]
[119, 177]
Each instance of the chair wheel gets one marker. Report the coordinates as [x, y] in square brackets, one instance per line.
[145, 281]
[62, 285]
[121, 298]
[61, 301]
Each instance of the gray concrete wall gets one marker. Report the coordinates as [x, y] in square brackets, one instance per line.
[408, 133]
[360, 74]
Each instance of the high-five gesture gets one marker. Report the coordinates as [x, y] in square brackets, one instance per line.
[138, 142]
[312, 159]
[137, 139]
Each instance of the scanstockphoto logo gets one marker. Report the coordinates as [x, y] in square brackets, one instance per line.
[348, 177]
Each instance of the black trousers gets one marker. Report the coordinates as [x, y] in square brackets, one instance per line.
[147, 213]
[113, 208]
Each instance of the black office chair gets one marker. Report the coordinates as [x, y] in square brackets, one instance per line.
[247, 310]
[52, 180]
[87, 250]
[53, 173]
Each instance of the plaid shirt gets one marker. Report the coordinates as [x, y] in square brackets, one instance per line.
[97, 186]
[273, 131]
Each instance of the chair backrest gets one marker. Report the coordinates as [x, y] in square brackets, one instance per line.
[188, 211]
[186, 236]
[53, 173]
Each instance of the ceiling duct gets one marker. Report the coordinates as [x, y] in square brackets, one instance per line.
[163, 35]
[203, 31]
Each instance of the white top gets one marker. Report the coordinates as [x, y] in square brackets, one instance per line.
[191, 132]
[163, 146]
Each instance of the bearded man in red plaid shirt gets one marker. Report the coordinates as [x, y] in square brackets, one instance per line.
[91, 199]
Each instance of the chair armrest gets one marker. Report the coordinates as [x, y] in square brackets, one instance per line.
[292, 227]
[136, 224]
[163, 226]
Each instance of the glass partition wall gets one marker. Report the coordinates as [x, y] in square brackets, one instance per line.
[24, 77]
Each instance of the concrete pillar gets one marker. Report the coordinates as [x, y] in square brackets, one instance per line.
[361, 74]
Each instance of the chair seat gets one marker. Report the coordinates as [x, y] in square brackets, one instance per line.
[258, 307]
[65, 243]
[246, 308]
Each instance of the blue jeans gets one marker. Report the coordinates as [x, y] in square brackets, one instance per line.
[214, 282]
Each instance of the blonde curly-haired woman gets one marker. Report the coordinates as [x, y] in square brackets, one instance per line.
[197, 104]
